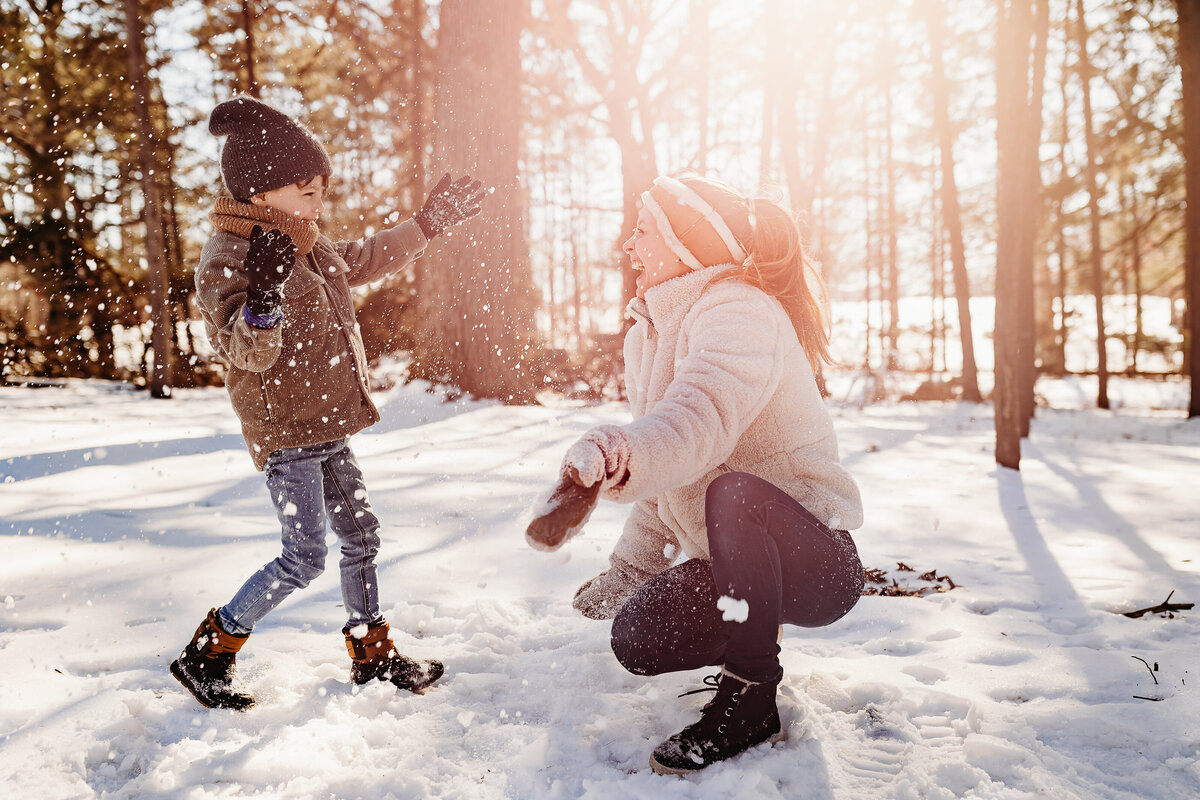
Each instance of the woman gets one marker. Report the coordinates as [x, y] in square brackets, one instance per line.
[731, 460]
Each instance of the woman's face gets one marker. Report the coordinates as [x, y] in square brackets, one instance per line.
[650, 256]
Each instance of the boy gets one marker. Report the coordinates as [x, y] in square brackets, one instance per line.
[275, 296]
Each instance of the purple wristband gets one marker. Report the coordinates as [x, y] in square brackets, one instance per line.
[264, 322]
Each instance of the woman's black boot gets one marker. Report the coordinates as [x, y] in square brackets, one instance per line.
[741, 715]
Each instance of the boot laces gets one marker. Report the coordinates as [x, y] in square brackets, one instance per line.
[715, 683]
[711, 684]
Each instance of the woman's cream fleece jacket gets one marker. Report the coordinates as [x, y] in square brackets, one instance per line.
[718, 382]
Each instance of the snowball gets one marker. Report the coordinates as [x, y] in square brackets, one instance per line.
[733, 610]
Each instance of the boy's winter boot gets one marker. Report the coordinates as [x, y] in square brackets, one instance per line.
[741, 715]
[374, 657]
[206, 666]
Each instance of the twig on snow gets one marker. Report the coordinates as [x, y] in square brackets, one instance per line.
[1152, 669]
[1165, 606]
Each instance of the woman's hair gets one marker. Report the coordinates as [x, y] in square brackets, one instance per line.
[776, 263]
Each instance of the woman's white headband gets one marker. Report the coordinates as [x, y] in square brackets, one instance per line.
[686, 196]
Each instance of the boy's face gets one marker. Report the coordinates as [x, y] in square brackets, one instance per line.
[305, 200]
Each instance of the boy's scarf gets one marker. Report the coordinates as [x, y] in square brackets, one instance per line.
[239, 218]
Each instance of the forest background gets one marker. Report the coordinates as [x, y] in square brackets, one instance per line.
[1031, 152]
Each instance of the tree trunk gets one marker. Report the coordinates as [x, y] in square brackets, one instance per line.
[639, 168]
[476, 305]
[1014, 240]
[416, 120]
[160, 379]
[937, 279]
[951, 213]
[248, 55]
[628, 105]
[1060, 217]
[1189, 58]
[1031, 161]
[891, 276]
[773, 54]
[813, 187]
[702, 36]
[800, 188]
[576, 267]
[1062, 331]
[1135, 275]
[1097, 258]
[869, 236]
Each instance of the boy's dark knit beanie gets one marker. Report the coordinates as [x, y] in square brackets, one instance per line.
[266, 148]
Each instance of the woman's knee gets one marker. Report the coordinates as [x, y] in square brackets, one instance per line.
[732, 495]
[729, 486]
[634, 651]
[666, 626]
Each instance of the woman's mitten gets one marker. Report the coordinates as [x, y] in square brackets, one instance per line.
[600, 456]
[604, 595]
[563, 514]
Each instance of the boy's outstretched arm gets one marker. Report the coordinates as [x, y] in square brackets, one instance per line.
[450, 203]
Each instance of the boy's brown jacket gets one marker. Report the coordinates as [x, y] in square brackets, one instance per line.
[305, 380]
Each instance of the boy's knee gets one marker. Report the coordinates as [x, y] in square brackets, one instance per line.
[304, 567]
[307, 573]
[360, 544]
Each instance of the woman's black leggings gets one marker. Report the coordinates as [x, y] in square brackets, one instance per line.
[772, 562]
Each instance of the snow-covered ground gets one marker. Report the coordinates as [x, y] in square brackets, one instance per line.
[124, 519]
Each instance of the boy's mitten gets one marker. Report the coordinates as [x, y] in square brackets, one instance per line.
[563, 514]
[268, 263]
[449, 204]
[599, 456]
[607, 593]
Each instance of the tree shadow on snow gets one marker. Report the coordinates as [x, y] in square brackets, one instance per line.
[1050, 581]
[42, 465]
[1102, 518]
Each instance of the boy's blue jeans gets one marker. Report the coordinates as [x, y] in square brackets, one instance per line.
[309, 486]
